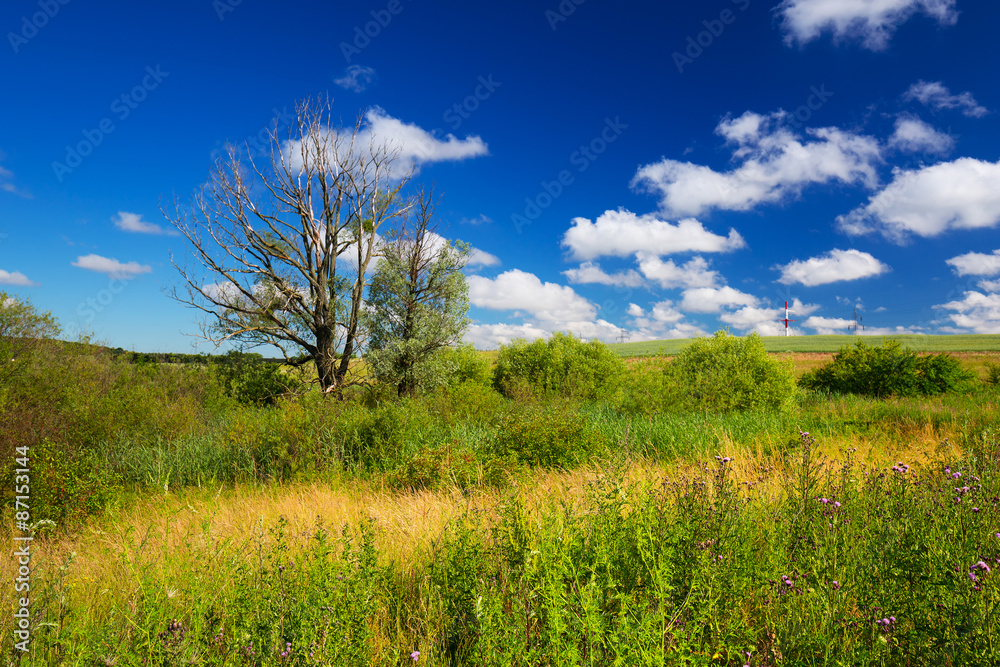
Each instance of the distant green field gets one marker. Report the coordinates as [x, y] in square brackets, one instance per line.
[957, 343]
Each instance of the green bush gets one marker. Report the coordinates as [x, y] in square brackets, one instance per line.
[561, 365]
[467, 365]
[252, 381]
[889, 370]
[725, 373]
[550, 435]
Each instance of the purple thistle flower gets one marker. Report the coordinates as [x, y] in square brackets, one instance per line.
[956, 475]
[836, 585]
[972, 576]
[836, 505]
[415, 656]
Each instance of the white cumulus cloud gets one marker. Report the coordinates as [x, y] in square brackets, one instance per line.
[667, 274]
[915, 136]
[591, 273]
[976, 312]
[962, 194]
[111, 267]
[936, 95]
[622, 233]
[14, 278]
[714, 299]
[413, 145]
[133, 222]
[775, 163]
[521, 291]
[872, 22]
[976, 264]
[834, 266]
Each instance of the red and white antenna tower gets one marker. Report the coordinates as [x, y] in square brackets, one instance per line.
[786, 320]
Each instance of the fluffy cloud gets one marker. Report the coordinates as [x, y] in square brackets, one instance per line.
[963, 194]
[834, 266]
[111, 267]
[935, 94]
[825, 326]
[662, 321]
[915, 136]
[591, 272]
[714, 299]
[976, 312]
[14, 278]
[479, 257]
[133, 222]
[990, 285]
[776, 163]
[413, 145]
[622, 233]
[694, 273]
[765, 321]
[872, 22]
[492, 336]
[976, 264]
[356, 78]
[520, 291]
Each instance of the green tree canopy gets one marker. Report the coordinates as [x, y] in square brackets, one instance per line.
[418, 303]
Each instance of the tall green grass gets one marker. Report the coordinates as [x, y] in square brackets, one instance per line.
[807, 564]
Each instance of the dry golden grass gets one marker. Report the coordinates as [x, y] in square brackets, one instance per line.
[197, 530]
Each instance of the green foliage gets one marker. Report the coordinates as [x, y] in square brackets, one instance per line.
[417, 305]
[23, 334]
[562, 365]
[545, 434]
[888, 370]
[252, 381]
[718, 374]
[468, 364]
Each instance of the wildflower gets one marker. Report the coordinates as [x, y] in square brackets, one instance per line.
[836, 505]
[836, 585]
[972, 577]
[415, 656]
[956, 475]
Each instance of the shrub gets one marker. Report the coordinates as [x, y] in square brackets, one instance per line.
[467, 365]
[551, 435]
[725, 373]
[562, 366]
[888, 370]
[252, 381]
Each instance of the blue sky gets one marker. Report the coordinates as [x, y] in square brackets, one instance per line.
[666, 168]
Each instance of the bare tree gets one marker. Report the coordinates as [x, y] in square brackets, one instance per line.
[285, 241]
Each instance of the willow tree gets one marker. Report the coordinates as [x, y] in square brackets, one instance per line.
[418, 301]
[281, 244]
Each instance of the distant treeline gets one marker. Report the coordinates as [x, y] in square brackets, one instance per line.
[182, 358]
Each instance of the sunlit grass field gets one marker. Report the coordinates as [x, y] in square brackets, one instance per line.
[466, 527]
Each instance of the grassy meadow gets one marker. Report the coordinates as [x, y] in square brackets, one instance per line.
[183, 516]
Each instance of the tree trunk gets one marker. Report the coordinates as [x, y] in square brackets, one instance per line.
[326, 362]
